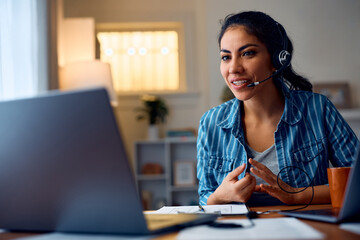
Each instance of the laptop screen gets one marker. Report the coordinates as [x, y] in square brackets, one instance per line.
[351, 205]
[63, 166]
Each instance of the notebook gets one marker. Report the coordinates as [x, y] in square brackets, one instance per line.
[63, 168]
[351, 206]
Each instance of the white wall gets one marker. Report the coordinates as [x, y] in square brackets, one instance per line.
[325, 33]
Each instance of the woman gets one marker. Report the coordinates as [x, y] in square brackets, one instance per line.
[274, 127]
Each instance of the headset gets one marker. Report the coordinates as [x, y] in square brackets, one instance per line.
[281, 59]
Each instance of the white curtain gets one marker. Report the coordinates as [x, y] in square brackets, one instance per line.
[23, 48]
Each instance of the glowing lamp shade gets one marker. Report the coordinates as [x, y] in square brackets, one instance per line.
[88, 74]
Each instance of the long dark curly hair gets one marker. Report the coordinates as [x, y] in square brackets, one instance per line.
[266, 29]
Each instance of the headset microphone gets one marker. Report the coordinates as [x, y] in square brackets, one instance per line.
[281, 59]
[284, 58]
[257, 83]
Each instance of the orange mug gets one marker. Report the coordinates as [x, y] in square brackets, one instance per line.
[337, 177]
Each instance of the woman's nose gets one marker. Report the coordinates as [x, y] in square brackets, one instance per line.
[236, 66]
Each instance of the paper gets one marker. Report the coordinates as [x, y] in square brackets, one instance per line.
[224, 209]
[264, 228]
[351, 227]
[68, 236]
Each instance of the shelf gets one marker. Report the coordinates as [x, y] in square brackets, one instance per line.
[184, 139]
[150, 142]
[351, 114]
[169, 153]
[352, 117]
[142, 177]
[184, 188]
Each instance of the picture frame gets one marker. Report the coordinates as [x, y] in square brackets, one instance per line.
[184, 173]
[337, 92]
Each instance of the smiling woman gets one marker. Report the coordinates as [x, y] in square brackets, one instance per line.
[244, 60]
[276, 137]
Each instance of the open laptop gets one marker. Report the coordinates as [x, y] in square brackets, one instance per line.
[350, 210]
[63, 168]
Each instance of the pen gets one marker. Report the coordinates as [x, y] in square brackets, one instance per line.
[201, 208]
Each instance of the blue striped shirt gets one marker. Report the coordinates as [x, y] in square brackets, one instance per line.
[310, 133]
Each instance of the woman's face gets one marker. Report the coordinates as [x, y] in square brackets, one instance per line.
[244, 60]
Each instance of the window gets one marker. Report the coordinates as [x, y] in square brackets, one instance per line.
[22, 49]
[144, 60]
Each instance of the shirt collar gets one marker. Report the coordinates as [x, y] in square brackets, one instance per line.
[292, 113]
[232, 115]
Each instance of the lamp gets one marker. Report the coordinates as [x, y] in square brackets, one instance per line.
[87, 74]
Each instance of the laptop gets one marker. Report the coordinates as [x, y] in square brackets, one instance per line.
[63, 168]
[349, 212]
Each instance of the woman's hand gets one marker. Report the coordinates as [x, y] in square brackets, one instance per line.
[321, 193]
[273, 188]
[232, 189]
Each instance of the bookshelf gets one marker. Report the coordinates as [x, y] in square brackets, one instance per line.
[176, 183]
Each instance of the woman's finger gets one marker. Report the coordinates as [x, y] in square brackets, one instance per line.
[245, 187]
[236, 172]
[259, 166]
[275, 192]
[272, 191]
[270, 178]
[245, 182]
[258, 189]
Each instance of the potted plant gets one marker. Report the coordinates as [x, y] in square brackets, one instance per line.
[155, 111]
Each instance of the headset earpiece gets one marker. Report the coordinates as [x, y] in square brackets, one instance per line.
[282, 58]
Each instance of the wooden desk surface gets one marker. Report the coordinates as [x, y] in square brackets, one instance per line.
[331, 231]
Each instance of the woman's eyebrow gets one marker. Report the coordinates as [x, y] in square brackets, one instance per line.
[241, 48]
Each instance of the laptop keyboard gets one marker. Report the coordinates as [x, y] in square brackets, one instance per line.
[334, 212]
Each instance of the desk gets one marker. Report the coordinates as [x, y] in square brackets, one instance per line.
[331, 231]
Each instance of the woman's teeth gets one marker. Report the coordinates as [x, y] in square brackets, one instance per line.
[237, 83]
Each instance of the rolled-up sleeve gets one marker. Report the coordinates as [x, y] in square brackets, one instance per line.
[343, 141]
[205, 188]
